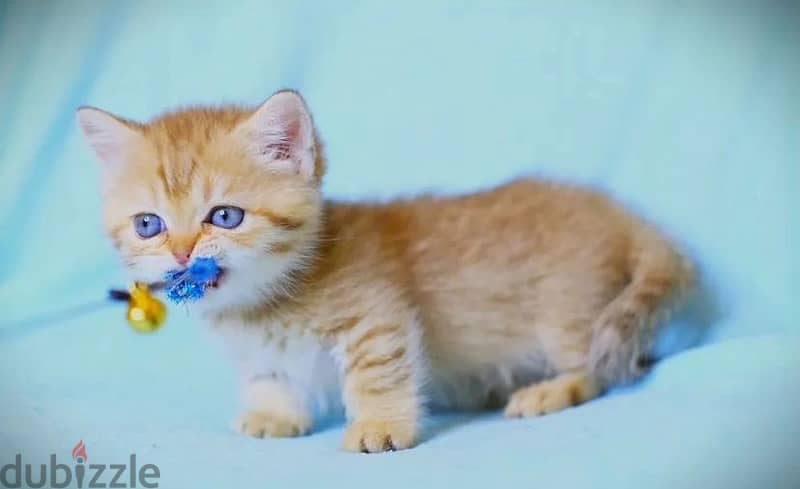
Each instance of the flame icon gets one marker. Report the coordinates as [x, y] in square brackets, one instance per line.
[79, 452]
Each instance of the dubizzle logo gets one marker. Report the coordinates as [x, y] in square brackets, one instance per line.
[79, 453]
[90, 476]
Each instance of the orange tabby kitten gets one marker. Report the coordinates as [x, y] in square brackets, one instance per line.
[533, 295]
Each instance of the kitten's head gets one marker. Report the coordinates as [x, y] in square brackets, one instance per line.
[239, 185]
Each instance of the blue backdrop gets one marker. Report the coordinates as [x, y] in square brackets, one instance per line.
[689, 112]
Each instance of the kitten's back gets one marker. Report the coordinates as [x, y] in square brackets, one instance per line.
[513, 277]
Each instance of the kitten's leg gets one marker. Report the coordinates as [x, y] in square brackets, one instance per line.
[565, 344]
[563, 391]
[274, 409]
[381, 363]
[611, 350]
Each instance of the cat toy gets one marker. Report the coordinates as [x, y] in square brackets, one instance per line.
[145, 313]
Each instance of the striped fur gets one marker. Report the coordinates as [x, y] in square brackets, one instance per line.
[532, 295]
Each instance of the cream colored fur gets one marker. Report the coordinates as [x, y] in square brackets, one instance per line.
[533, 296]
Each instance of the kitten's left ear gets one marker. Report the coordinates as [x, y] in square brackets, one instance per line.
[281, 135]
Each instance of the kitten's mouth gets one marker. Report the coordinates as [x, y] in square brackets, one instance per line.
[214, 284]
[192, 283]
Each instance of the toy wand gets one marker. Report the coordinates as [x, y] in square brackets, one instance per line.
[146, 313]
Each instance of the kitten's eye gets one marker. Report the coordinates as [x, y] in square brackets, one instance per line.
[227, 217]
[147, 225]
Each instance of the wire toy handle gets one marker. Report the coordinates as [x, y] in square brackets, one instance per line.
[145, 313]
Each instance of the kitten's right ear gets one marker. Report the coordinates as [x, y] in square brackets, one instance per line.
[108, 135]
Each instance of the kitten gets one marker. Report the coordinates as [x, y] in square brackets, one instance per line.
[532, 296]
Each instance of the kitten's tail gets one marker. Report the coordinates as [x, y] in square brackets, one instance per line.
[660, 278]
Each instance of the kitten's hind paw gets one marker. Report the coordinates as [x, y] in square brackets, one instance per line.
[266, 425]
[550, 396]
[371, 436]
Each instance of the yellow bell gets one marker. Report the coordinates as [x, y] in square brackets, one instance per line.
[146, 314]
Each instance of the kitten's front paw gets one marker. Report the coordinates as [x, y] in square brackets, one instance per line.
[371, 436]
[266, 425]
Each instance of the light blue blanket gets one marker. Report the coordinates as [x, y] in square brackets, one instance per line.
[689, 112]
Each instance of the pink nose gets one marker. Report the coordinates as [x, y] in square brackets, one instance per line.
[182, 247]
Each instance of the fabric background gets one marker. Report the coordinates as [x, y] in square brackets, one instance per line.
[688, 112]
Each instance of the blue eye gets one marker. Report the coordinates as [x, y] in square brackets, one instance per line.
[227, 217]
[147, 225]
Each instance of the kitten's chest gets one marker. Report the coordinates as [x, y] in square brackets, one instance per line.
[299, 359]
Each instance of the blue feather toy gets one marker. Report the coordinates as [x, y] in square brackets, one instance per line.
[190, 285]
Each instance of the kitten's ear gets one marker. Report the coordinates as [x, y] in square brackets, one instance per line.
[281, 135]
[109, 136]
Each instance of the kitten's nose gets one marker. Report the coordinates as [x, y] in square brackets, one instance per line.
[182, 247]
[181, 258]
